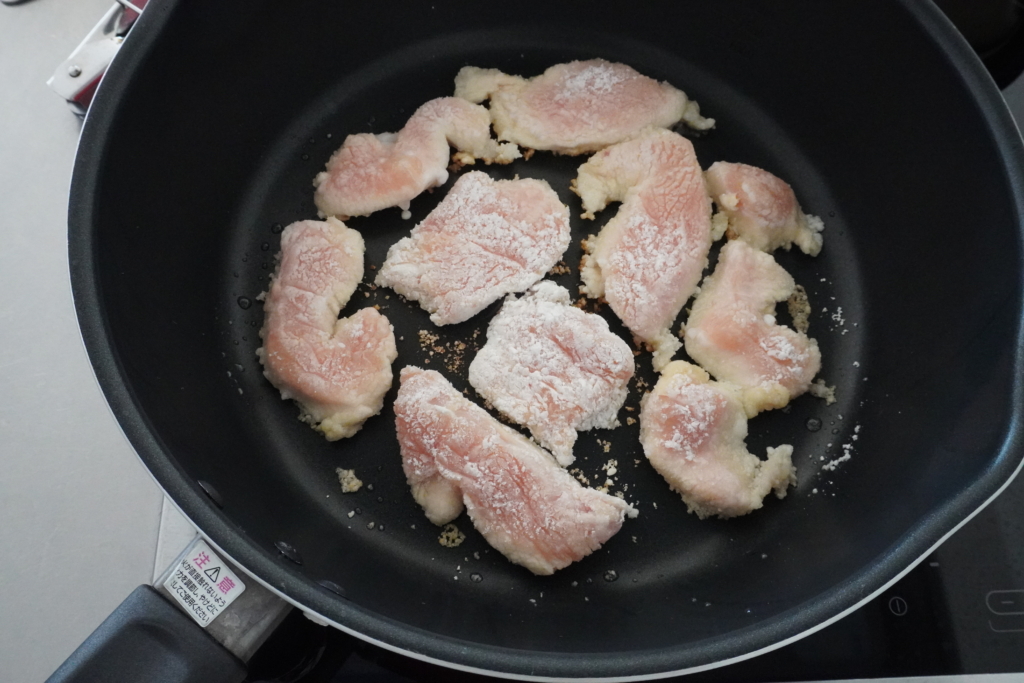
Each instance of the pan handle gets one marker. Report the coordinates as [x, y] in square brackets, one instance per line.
[199, 623]
[148, 639]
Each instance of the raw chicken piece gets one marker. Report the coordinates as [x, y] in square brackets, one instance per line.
[373, 172]
[732, 332]
[553, 368]
[648, 259]
[526, 506]
[693, 432]
[484, 240]
[761, 209]
[337, 370]
[577, 107]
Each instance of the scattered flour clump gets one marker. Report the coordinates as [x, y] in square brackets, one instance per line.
[350, 483]
[451, 537]
[820, 390]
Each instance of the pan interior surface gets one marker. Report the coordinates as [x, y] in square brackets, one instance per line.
[203, 146]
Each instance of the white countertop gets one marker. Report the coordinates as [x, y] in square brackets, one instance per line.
[80, 518]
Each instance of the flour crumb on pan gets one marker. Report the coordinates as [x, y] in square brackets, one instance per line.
[819, 389]
[560, 269]
[451, 537]
[350, 483]
[799, 309]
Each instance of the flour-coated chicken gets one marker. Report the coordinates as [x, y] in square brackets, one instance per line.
[647, 260]
[761, 209]
[693, 432]
[553, 368]
[577, 107]
[519, 499]
[732, 332]
[485, 239]
[336, 370]
[373, 172]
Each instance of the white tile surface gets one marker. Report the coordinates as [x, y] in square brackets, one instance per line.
[175, 532]
[79, 515]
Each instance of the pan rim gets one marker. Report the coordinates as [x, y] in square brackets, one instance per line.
[301, 591]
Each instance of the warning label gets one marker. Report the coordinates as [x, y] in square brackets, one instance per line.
[203, 584]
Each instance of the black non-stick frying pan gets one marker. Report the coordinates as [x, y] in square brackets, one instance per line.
[204, 139]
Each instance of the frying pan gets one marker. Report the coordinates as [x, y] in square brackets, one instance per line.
[203, 141]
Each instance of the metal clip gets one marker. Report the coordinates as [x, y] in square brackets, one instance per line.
[78, 76]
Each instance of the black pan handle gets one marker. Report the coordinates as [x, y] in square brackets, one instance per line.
[149, 640]
[216, 625]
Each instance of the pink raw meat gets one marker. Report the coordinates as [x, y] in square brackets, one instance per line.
[553, 368]
[337, 370]
[732, 331]
[373, 172]
[761, 209]
[693, 432]
[577, 107]
[648, 259]
[484, 240]
[519, 499]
